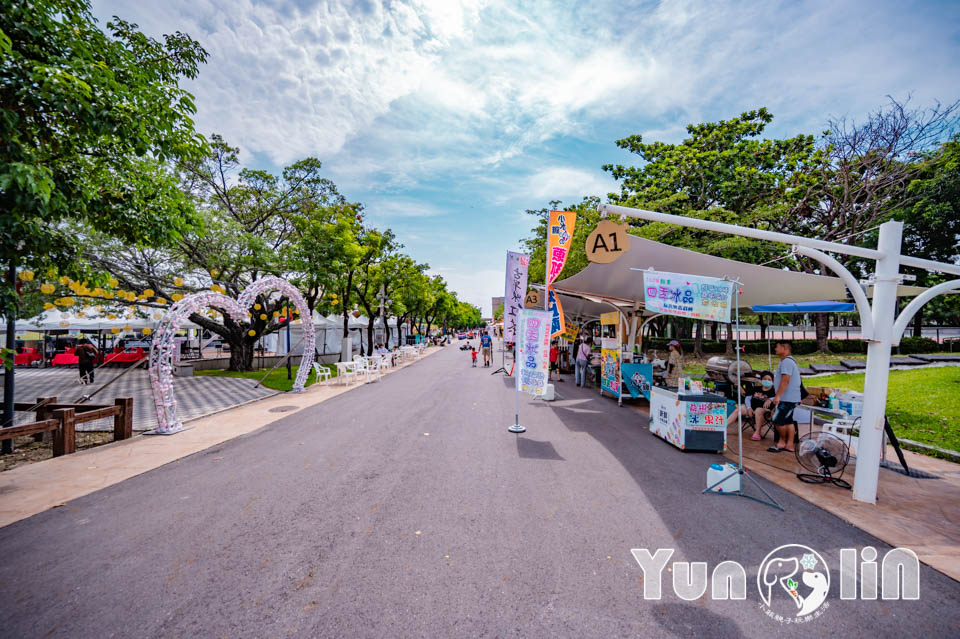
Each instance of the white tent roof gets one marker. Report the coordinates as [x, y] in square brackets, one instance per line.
[616, 281]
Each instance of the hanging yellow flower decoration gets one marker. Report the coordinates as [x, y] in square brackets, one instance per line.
[114, 330]
[178, 281]
[263, 316]
[111, 316]
[47, 289]
[177, 297]
[47, 306]
[26, 276]
[147, 331]
[256, 307]
[127, 328]
[276, 314]
[149, 292]
[251, 333]
[63, 301]
[161, 301]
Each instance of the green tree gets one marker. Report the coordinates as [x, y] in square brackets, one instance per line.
[90, 124]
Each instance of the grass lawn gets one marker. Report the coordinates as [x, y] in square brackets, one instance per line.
[922, 405]
[277, 380]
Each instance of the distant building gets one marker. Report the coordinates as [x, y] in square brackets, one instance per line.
[497, 302]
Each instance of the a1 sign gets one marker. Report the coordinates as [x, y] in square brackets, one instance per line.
[607, 242]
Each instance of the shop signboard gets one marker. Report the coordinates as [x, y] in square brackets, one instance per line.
[637, 379]
[693, 296]
[533, 351]
[706, 415]
[571, 331]
[609, 367]
[560, 233]
[515, 290]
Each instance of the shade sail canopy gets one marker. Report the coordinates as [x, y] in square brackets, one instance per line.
[761, 284]
[806, 307]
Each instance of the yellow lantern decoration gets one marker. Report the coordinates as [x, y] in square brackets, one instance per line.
[113, 282]
[147, 331]
[276, 314]
[149, 292]
[214, 272]
[47, 306]
[114, 330]
[26, 276]
[127, 328]
[111, 316]
[161, 301]
[256, 307]
[64, 279]
[263, 316]
[47, 289]
[251, 333]
[177, 297]
[63, 301]
[178, 281]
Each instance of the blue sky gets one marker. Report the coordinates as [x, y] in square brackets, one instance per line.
[449, 118]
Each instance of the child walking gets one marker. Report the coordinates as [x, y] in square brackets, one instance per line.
[473, 356]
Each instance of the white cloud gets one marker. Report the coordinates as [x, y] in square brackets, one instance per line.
[567, 183]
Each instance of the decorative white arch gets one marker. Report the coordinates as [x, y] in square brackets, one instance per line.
[162, 349]
[952, 286]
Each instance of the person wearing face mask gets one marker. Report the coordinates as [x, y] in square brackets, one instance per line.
[756, 404]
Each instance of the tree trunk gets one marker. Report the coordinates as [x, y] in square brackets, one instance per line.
[698, 341]
[763, 326]
[386, 331]
[713, 331]
[729, 331]
[918, 323]
[822, 321]
[241, 355]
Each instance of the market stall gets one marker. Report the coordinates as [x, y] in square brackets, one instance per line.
[688, 418]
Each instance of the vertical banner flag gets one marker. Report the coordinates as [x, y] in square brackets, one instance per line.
[555, 308]
[515, 291]
[694, 296]
[559, 235]
[533, 351]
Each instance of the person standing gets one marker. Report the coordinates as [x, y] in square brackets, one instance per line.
[87, 355]
[486, 346]
[554, 360]
[581, 363]
[674, 363]
[786, 381]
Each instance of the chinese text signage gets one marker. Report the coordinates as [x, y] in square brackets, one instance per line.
[533, 351]
[704, 298]
[560, 234]
[515, 290]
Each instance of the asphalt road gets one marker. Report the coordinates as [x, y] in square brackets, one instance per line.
[405, 509]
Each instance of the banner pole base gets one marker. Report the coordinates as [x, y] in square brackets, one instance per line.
[516, 428]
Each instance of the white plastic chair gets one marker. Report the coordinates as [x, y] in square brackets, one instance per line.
[323, 373]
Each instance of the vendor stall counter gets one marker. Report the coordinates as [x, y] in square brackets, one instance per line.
[689, 421]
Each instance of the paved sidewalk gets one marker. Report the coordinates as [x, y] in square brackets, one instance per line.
[33, 488]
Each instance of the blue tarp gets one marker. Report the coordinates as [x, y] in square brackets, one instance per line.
[805, 307]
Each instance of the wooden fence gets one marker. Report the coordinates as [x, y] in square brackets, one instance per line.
[62, 420]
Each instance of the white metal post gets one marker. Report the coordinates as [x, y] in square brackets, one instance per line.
[870, 448]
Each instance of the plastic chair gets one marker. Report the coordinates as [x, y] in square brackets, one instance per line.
[323, 373]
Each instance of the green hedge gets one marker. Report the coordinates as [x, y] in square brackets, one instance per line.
[919, 345]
